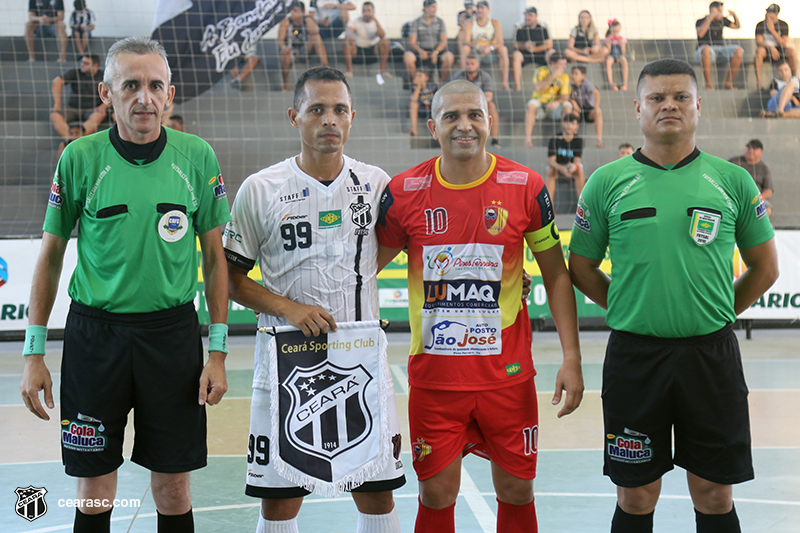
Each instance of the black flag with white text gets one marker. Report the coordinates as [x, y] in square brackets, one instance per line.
[201, 37]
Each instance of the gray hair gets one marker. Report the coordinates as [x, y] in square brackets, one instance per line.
[132, 45]
[456, 87]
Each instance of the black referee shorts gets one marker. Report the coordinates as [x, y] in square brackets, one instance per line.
[148, 362]
[691, 386]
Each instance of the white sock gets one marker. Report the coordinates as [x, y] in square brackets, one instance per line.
[276, 526]
[379, 523]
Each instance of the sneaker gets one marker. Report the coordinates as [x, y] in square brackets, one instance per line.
[235, 85]
[496, 143]
[379, 79]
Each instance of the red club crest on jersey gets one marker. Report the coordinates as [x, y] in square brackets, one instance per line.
[494, 219]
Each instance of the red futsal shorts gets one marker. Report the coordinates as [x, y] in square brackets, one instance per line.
[501, 425]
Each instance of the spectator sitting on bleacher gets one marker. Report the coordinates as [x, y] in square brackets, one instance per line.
[366, 39]
[584, 41]
[46, 17]
[421, 97]
[585, 99]
[614, 48]
[462, 19]
[482, 79]
[532, 44]
[550, 96]
[710, 43]
[298, 36]
[564, 156]
[625, 149]
[772, 40]
[784, 93]
[75, 132]
[84, 103]
[427, 40]
[331, 16]
[760, 172]
[176, 123]
[248, 62]
[484, 35]
[81, 22]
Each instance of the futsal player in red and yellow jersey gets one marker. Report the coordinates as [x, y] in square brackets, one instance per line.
[465, 217]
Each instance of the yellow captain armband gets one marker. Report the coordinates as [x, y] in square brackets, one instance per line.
[543, 239]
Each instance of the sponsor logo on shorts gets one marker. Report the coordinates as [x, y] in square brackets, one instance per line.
[582, 219]
[495, 218]
[330, 219]
[632, 448]
[82, 435]
[760, 206]
[30, 502]
[513, 369]
[420, 449]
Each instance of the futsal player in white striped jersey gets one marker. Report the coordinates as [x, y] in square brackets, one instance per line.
[309, 221]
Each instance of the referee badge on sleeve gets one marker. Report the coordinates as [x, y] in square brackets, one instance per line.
[705, 226]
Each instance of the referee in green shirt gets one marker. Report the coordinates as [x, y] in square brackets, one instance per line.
[132, 337]
[670, 216]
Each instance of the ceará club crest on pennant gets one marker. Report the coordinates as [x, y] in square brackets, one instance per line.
[328, 414]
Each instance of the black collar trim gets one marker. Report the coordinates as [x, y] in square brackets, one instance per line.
[643, 159]
[131, 152]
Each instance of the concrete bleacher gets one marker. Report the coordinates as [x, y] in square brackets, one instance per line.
[249, 129]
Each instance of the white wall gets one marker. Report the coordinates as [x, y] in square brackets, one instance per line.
[641, 19]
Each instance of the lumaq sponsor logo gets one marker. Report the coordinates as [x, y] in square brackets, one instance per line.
[460, 309]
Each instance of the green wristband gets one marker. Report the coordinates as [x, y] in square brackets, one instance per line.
[218, 338]
[35, 337]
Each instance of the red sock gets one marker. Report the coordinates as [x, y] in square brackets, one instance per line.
[435, 520]
[516, 518]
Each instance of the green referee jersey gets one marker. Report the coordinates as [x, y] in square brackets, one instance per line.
[138, 219]
[670, 235]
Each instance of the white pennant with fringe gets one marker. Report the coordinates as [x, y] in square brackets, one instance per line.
[346, 348]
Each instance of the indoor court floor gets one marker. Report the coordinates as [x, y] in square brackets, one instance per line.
[572, 495]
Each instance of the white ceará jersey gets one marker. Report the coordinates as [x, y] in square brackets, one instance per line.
[315, 244]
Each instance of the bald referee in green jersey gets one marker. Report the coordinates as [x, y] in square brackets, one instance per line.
[670, 216]
[132, 338]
